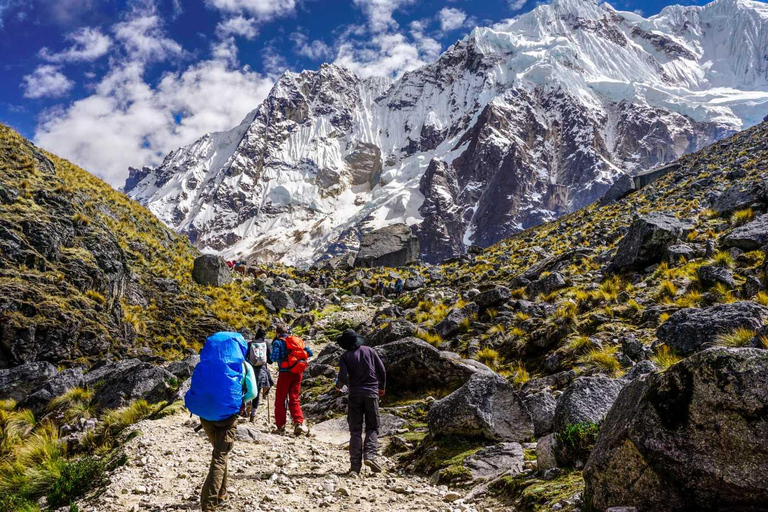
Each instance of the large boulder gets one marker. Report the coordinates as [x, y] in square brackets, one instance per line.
[694, 437]
[623, 186]
[211, 270]
[56, 386]
[486, 406]
[541, 406]
[18, 382]
[391, 246]
[710, 275]
[586, 400]
[492, 461]
[392, 331]
[546, 285]
[693, 329]
[415, 365]
[647, 241]
[494, 297]
[280, 299]
[749, 237]
[455, 320]
[120, 383]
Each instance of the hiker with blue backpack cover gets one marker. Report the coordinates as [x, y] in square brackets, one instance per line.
[222, 382]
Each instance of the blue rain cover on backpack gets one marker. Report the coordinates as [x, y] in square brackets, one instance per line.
[216, 391]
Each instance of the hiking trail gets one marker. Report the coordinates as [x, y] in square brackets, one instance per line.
[167, 464]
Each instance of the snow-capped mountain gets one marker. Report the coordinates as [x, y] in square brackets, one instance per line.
[510, 127]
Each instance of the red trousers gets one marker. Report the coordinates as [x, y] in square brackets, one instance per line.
[288, 387]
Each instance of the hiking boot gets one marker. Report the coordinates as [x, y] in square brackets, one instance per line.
[373, 465]
[353, 473]
[253, 418]
[300, 429]
[280, 431]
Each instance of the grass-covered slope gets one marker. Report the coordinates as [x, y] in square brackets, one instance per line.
[85, 271]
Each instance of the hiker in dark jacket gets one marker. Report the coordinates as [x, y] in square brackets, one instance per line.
[362, 371]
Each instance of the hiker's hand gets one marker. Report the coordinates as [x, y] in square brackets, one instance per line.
[382, 392]
[266, 392]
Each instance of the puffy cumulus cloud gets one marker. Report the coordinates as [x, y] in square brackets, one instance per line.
[385, 55]
[379, 12]
[516, 5]
[451, 18]
[239, 26]
[315, 50]
[129, 122]
[46, 81]
[87, 44]
[261, 9]
[143, 39]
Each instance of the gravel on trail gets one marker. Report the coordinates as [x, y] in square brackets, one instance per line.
[167, 464]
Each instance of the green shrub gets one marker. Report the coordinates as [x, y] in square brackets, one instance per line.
[76, 478]
[578, 439]
[737, 338]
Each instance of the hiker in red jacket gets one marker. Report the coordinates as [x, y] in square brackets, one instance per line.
[290, 353]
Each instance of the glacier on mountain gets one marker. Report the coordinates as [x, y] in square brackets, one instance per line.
[512, 126]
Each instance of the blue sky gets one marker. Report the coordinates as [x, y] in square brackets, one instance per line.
[113, 83]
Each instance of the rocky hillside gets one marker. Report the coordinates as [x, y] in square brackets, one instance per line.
[86, 273]
[513, 126]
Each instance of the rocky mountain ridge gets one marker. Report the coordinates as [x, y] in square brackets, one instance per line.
[512, 126]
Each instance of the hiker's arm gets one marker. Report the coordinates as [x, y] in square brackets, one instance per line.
[381, 373]
[341, 380]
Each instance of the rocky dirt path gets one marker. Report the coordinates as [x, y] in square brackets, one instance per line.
[168, 461]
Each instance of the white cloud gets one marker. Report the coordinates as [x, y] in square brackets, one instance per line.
[46, 81]
[128, 122]
[451, 18]
[379, 12]
[238, 26]
[88, 44]
[143, 39]
[516, 5]
[261, 9]
[315, 50]
[386, 55]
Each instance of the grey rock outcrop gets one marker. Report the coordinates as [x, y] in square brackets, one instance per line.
[749, 237]
[494, 297]
[545, 285]
[390, 246]
[17, 382]
[647, 241]
[693, 329]
[413, 364]
[453, 322]
[691, 438]
[392, 331]
[117, 384]
[55, 386]
[486, 406]
[495, 460]
[709, 275]
[587, 399]
[211, 270]
[541, 406]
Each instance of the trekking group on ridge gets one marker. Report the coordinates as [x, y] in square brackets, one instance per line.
[233, 376]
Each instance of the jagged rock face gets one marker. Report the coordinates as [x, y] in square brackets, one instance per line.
[392, 246]
[509, 128]
[690, 438]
